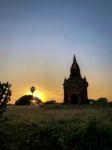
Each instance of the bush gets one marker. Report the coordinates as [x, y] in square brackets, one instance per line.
[102, 101]
[56, 137]
[24, 100]
[5, 94]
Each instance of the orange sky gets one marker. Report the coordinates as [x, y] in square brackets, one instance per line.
[50, 86]
[39, 38]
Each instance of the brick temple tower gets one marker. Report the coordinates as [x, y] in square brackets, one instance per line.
[75, 87]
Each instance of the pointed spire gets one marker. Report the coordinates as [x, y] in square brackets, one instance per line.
[75, 70]
[74, 59]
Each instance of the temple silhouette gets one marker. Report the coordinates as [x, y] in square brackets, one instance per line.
[75, 87]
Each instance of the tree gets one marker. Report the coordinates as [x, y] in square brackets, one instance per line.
[50, 102]
[5, 94]
[24, 100]
[28, 100]
[102, 101]
[32, 89]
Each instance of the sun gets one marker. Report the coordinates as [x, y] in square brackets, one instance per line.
[38, 94]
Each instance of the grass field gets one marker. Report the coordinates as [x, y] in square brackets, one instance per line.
[57, 127]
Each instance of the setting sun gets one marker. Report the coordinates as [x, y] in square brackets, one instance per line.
[38, 94]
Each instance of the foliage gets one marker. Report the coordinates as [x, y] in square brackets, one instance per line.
[24, 100]
[5, 94]
[91, 101]
[32, 89]
[28, 100]
[50, 102]
[62, 128]
[110, 103]
[102, 101]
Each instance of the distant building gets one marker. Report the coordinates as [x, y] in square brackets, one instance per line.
[75, 87]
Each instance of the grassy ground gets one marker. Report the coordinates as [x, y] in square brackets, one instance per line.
[57, 127]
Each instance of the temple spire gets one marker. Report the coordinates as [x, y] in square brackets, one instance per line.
[74, 59]
[75, 70]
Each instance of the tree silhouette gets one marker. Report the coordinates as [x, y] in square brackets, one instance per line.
[5, 94]
[24, 100]
[102, 101]
[32, 89]
[27, 100]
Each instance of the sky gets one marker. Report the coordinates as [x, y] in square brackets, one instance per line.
[38, 39]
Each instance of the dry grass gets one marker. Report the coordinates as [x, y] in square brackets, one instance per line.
[57, 127]
[35, 114]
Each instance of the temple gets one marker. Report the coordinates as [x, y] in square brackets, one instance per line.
[75, 87]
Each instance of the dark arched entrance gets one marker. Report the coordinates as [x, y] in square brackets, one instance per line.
[74, 99]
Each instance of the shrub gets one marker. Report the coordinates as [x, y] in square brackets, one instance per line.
[5, 94]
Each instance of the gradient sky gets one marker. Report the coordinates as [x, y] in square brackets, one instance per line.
[38, 39]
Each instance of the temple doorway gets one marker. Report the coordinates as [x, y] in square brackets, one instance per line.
[74, 99]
